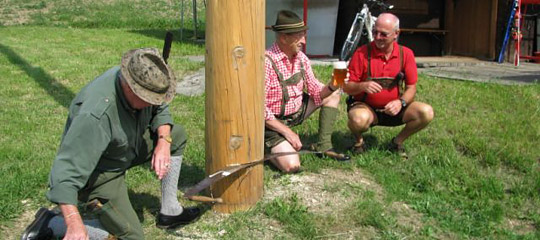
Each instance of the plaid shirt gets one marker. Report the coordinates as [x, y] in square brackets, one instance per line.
[273, 89]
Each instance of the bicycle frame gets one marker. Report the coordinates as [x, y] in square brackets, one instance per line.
[362, 21]
[362, 26]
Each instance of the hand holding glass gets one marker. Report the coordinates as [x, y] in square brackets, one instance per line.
[340, 73]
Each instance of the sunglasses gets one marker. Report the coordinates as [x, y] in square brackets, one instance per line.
[383, 34]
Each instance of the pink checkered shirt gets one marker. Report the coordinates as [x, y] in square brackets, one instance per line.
[272, 87]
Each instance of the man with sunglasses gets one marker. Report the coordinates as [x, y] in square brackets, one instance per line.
[378, 70]
[288, 74]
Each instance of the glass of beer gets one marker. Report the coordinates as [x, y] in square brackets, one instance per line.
[340, 73]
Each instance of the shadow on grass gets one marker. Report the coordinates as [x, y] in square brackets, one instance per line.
[187, 36]
[190, 175]
[61, 94]
[141, 201]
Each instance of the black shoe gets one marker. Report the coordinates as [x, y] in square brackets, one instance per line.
[331, 153]
[38, 229]
[187, 216]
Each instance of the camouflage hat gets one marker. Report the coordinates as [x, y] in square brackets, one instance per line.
[148, 76]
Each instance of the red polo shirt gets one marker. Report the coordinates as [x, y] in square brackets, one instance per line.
[380, 67]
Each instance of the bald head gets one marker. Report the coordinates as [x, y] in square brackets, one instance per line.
[388, 19]
[386, 32]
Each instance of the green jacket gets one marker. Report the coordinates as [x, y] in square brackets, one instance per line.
[102, 133]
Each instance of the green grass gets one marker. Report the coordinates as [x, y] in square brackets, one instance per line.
[294, 216]
[473, 172]
[140, 14]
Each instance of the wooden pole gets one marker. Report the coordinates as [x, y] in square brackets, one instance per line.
[449, 26]
[235, 99]
[195, 19]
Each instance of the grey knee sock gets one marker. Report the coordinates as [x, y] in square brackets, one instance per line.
[169, 189]
[94, 228]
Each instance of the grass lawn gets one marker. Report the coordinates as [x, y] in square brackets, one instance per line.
[473, 173]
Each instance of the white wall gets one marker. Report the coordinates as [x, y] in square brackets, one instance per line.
[322, 17]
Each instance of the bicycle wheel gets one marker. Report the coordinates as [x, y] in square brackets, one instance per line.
[351, 42]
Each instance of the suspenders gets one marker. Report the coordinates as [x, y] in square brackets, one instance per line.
[386, 82]
[293, 80]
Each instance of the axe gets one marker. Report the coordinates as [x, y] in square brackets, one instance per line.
[229, 170]
[167, 46]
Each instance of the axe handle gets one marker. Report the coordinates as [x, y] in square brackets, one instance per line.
[205, 199]
[167, 46]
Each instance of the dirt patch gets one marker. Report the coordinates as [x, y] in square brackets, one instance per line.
[520, 226]
[332, 191]
[192, 85]
[322, 192]
[265, 228]
[15, 15]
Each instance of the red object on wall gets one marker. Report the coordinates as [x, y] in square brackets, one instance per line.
[536, 57]
[530, 1]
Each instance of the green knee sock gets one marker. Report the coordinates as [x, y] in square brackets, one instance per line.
[327, 117]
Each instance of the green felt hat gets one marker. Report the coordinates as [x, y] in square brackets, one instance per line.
[288, 22]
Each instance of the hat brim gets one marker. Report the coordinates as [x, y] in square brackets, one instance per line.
[143, 93]
[291, 30]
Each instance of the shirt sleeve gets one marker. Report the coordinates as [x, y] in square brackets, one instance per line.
[314, 86]
[160, 116]
[269, 73]
[356, 67]
[411, 72]
[82, 146]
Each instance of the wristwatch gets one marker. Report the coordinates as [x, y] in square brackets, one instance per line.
[167, 138]
[331, 89]
[403, 103]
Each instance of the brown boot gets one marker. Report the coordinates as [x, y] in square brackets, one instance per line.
[358, 148]
[331, 153]
[398, 148]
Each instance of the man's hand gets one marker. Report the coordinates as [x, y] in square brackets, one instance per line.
[75, 226]
[161, 158]
[294, 139]
[393, 107]
[371, 87]
[289, 134]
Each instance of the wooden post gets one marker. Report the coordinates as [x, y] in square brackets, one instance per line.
[449, 26]
[235, 99]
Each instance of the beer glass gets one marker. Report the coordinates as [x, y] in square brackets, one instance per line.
[340, 72]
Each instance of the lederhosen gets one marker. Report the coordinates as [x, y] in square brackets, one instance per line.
[272, 138]
[386, 83]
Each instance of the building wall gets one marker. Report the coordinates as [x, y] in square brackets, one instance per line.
[474, 28]
[322, 17]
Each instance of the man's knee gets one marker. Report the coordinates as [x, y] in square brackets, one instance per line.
[425, 113]
[179, 136]
[360, 118]
[290, 166]
[291, 169]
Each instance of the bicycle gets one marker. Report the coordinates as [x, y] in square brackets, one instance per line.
[361, 29]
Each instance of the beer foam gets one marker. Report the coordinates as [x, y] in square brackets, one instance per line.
[340, 65]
